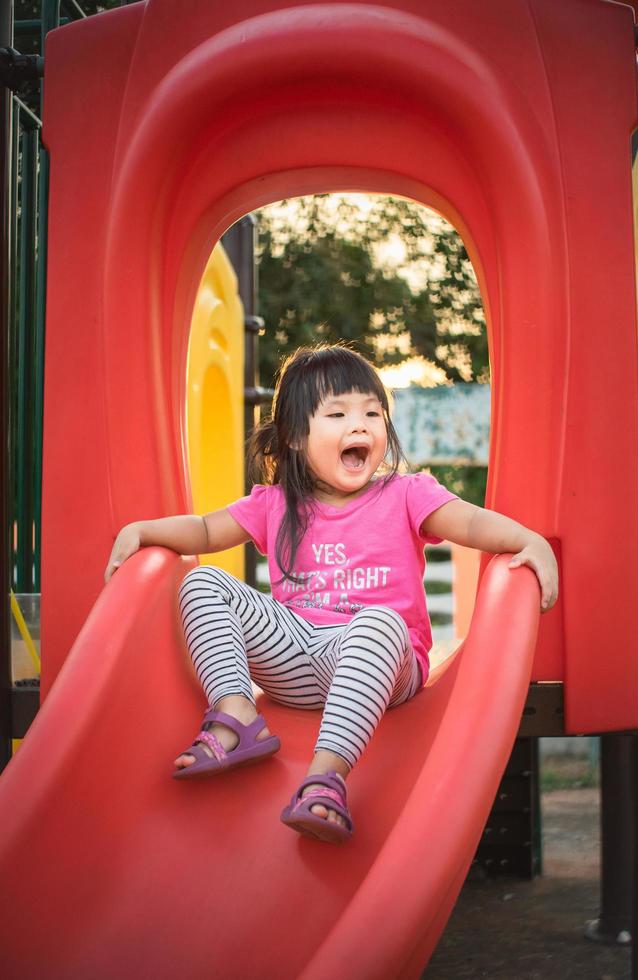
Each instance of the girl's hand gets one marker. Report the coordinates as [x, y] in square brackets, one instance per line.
[126, 544]
[540, 558]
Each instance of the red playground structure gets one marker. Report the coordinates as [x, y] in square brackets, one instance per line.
[515, 121]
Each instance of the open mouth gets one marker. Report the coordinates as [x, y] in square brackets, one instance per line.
[355, 457]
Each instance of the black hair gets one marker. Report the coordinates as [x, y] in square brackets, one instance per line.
[306, 379]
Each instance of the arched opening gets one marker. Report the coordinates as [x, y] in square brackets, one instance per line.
[394, 279]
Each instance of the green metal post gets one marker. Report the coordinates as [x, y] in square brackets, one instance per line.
[25, 433]
[13, 338]
[43, 202]
[50, 20]
[6, 110]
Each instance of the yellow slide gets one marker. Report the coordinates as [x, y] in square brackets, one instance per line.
[215, 398]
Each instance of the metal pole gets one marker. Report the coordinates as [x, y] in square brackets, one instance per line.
[6, 110]
[634, 903]
[239, 242]
[613, 926]
[41, 272]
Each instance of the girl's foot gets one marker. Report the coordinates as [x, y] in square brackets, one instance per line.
[323, 811]
[322, 763]
[238, 707]
[326, 791]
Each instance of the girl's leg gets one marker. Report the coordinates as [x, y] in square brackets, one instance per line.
[369, 665]
[214, 635]
[374, 665]
[228, 624]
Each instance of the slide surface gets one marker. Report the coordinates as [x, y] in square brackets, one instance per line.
[110, 869]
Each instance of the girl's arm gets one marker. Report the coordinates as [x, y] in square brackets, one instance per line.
[187, 535]
[486, 530]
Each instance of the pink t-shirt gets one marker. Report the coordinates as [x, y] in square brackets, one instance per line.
[367, 553]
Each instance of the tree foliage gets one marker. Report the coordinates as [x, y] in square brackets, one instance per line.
[329, 290]
[324, 274]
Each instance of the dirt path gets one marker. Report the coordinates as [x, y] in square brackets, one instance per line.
[519, 930]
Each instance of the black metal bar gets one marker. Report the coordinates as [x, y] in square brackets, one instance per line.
[41, 272]
[17, 68]
[50, 14]
[13, 295]
[6, 111]
[25, 703]
[634, 903]
[254, 324]
[34, 209]
[511, 843]
[75, 8]
[27, 118]
[32, 139]
[613, 926]
[617, 826]
[258, 396]
[543, 713]
[27, 366]
[239, 242]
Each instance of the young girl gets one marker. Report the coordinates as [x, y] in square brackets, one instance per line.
[346, 628]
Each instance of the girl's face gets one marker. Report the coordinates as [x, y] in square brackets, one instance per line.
[346, 444]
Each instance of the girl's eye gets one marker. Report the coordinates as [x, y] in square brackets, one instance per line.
[336, 415]
[374, 415]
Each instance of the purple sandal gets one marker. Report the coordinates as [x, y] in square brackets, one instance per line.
[300, 817]
[249, 749]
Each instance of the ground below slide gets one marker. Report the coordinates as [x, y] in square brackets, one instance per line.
[518, 930]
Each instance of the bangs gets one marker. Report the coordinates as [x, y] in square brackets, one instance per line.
[334, 371]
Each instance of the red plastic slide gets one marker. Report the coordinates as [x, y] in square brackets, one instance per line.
[110, 869]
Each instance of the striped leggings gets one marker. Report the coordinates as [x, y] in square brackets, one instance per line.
[354, 671]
